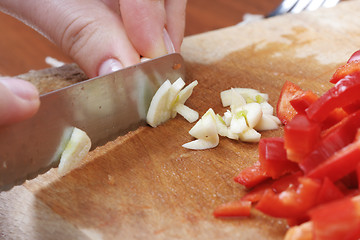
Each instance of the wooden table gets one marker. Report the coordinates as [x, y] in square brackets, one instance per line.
[22, 49]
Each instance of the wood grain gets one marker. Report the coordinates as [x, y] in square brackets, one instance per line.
[145, 185]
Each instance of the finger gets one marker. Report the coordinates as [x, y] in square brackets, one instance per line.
[87, 30]
[145, 23]
[175, 21]
[113, 5]
[19, 100]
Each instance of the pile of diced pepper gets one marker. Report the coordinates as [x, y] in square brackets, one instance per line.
[311, 175]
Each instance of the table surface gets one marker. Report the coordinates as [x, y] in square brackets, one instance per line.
[22, 49]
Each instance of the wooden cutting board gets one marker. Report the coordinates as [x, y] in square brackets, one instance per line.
[145, 185]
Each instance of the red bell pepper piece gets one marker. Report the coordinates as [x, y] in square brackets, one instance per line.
[358, 175]
[349, 68]
[337, 220]
[302, 101]
[328, 192]
[286, 182]
[272, 157]
[335, 116]
[283, 183]
[251, 176]
[256, 193]
[301, 136]
[344, 92]
[335, 139]
[354, 56]
[284, 111]
[238, 208]
[291, 203]
[339, 164]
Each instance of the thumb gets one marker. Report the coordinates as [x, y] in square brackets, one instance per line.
[19, 100]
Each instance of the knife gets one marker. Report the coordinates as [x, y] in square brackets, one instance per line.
[104, 107]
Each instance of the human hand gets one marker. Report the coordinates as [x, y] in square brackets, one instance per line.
[19, 100]
[104, 35]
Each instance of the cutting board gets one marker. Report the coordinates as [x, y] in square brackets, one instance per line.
[144, 185]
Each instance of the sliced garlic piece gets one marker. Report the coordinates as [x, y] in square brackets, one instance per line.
[253, 95]
[189, 114]
[205, 130]
[181, 98]
[267, 108]
[76, 149]
[227, 117]
[232, 98]
[276, 119]
[253, 114]
[238, 124]
[221, 126]
[267, 122]
[226, 97]
[205, 127]
[158, 112]
[201, 144]
[250, 135]
[249, 94]
[174, 91]
[232, 135]
[186, 92]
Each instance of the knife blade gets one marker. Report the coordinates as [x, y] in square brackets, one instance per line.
[104, 107]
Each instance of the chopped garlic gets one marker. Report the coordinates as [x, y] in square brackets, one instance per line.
[238, 124]
[267, 122]
[75, 150]
[221, 126]
[249, 113]
[205, 130]
[250, 95]
[201, 144]
[158, 112]
[253, 113]
[169, 100]
[189, 114]
[250, 135]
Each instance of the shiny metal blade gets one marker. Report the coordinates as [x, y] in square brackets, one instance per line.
[104, 107]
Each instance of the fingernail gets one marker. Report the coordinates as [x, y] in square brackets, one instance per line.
[21, 88]
[109, 66]
[168, 43]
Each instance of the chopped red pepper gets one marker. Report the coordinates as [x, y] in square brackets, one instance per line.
[286, 182]
[339, 164]
[303, 101]
[358, 175]
[238, 208]
[335, 138]
[344, 92]
[335, 116]
[251, 176]
[272, 157]
[283, 183]
[291, 203]
[336, 220]
[301, 136]
[328, 192]
[256, 193]
[284, 111]
[347, 69]
[354, 56]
